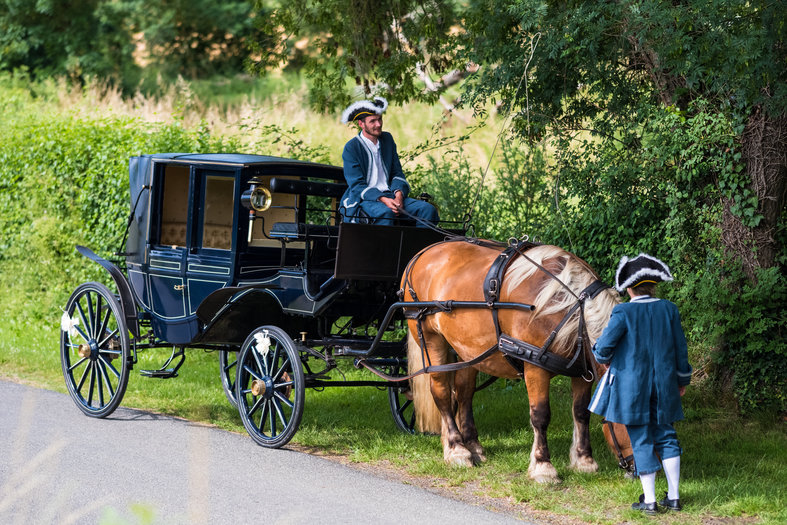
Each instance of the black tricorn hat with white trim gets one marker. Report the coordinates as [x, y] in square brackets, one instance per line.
[641, 269]
[364, 108]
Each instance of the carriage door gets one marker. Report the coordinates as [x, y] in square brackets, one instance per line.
[209, 265]
[169, 243]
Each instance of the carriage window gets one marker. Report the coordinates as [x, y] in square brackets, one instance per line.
[217, 215]
[174, 206]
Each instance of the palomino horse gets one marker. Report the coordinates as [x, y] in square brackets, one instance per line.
[455, 271]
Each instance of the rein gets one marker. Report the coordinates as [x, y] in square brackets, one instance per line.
[626, 463]
[515, 351]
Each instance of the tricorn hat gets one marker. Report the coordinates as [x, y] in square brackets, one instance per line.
[640, 269]
[364, 108]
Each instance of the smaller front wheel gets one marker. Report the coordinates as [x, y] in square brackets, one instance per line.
[269, 387]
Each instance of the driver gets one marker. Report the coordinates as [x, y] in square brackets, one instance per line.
[373, 172]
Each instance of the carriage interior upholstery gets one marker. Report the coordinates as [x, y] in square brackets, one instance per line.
[175, 206]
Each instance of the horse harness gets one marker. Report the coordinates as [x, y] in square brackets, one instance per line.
[624, 462]
[516, 352]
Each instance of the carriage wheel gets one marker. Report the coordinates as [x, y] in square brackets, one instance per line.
[94, 349]
[228, 361]
[270, 387]
[401, 402]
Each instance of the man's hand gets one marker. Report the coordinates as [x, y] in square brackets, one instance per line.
[393, 204]
[681, 390]
[399, 199]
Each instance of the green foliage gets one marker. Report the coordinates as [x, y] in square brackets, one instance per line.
[377, 44]
[743, 323]
[196, 38]
[64, 181]
[512, 201]
[77, 39]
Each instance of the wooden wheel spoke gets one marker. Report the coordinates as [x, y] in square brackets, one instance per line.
[92, 384]
[84, 376]
[284, 367]
[256, 406]
[99, 384]
[97, 317]
[72, 367]
[280, 412]
[103, 367]
[283, 399]
[264, 416]
[108, 337]
[252, 373]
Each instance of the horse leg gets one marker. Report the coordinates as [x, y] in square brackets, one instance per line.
[464, 389]
[454, 450]
[541, 469]
[581, 454]
[427, 417]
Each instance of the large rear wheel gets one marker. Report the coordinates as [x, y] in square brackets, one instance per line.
[94, 349]
[270, 386]
[400, 399]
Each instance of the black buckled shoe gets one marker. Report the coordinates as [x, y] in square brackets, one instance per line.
[650, 509]
[671, 504]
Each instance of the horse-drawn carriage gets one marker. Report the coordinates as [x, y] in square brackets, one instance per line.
[249, 256]
[246, 255]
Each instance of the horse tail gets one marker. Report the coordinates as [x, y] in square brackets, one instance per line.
[427, 417]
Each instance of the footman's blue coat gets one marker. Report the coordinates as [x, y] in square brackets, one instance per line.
[645, 348]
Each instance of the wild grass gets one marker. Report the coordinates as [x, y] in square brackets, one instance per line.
[733, 468]
[243, 107]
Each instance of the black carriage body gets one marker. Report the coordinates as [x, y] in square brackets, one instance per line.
[205, 271]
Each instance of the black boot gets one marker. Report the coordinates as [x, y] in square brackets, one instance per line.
[648, 508]
[671, 504]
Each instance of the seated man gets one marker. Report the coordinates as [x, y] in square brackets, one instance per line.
[373, 172]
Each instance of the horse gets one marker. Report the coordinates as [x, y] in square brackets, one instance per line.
[455, 271]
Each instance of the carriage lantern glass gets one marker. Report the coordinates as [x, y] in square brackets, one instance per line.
[258, 197]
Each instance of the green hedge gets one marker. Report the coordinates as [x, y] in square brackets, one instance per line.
[64, 181]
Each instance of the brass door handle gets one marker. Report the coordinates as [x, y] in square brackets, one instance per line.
[180, 287]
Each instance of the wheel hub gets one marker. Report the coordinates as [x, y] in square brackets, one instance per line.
[262, 387]
[89, 349]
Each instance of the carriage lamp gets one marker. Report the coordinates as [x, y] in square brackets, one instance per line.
[258, 197]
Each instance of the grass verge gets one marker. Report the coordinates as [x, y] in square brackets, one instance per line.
[733, 468]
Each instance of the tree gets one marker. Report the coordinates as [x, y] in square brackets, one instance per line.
[668, 123]
[84, 37]
[402, 49]
[600, 61]
[196, 38]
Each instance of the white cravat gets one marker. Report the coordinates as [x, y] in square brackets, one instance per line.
[377, 178]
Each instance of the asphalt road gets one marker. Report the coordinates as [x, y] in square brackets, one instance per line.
[59, 466]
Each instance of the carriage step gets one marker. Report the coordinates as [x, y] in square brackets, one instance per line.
[164, 372]
[161, 374]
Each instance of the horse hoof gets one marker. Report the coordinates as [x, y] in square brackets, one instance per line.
[459, 457]
[546, 480]
[543, 473]
[477, 452]
[584, 464]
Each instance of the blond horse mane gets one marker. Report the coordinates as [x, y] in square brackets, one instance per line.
[553, 297]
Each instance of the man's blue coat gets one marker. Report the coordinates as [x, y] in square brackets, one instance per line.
[645, 348]
[357, 160]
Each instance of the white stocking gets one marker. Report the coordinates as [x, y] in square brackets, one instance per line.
[648, 486]
[672, 471]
